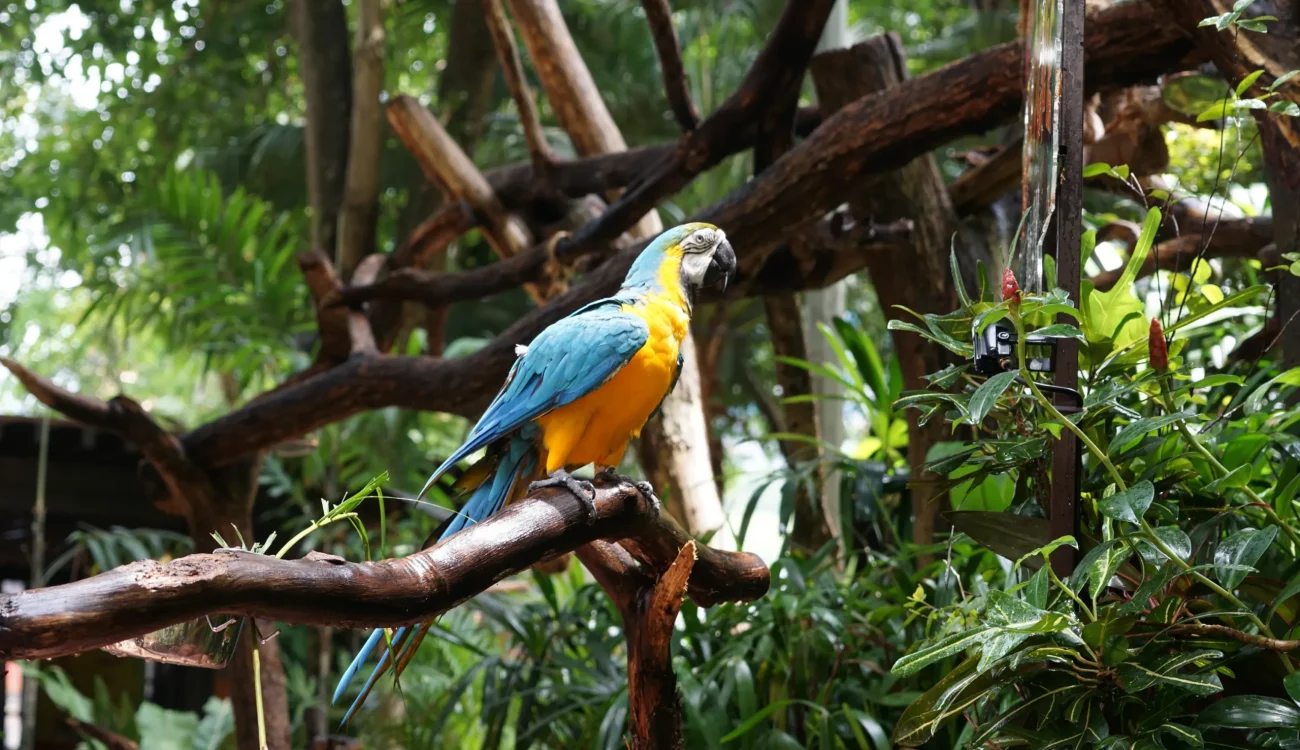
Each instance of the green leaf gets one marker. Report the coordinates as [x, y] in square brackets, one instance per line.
[1238, 477]
[955, 270]
[1173, 538]
[1096, 633]
[1059, 331]
[1239, 551]
[1138, 677]
[1249, 712]
[954, 644]
[1283, 79]
[945, 701]
[1292, 684]
[762, 713]
[1130, 504]
[1038, 588]
[1284, 107]
[1216, 111]
[1095, 169]
[989, 317]
[1135, 430]
[1248, 81]
[981, 403]
[1255, 401]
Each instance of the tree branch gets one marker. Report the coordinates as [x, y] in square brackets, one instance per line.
[444, 162]
[333, 324]
[513, 69]
[360, 214]
[660, 18]
[145, 596]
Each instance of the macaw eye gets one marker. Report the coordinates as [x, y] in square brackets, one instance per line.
[699, 242]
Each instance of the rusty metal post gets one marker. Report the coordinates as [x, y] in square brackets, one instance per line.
[1069, 213]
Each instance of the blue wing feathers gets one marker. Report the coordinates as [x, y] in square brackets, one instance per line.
[568, 360]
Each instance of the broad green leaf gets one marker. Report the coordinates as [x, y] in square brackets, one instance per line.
[989, 317]
[1284, 107]
[1249, 712]
[1238, 477]
[1248, 81]
[942, 649]
[1173, 539]
[1292, 684]
[1138, 677]
[1130, 504]
[1135, 430]
[1239, 551]
[945, 701]
[982, 401]
[1115, 317]
[1095, 169]
[1096, 633]
[1283, 79]
[1059, 331]
[1047, 549]
[1038, 588]
[1256, 399]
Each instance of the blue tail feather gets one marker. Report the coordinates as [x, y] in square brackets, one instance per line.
[517, 463]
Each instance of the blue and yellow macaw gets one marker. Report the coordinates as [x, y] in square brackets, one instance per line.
[575, 396]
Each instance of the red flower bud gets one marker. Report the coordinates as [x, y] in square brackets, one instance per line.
[1010, 289]
[1159, 350]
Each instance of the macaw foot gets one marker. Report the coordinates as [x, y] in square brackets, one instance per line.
[644, 487]
[580, 488]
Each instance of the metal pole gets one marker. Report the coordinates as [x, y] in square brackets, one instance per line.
[1069, 213]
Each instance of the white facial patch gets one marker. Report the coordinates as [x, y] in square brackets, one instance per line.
[697, 253]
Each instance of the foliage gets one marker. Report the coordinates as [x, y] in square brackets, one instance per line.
[149, 725]
[1187, 521]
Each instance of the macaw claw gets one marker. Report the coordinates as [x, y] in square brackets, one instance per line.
[583, 490]
[644, 487]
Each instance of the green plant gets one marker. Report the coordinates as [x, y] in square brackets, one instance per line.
[149, 725]
[1169, 631]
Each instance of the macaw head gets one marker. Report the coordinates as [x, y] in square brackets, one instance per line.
[700, 253]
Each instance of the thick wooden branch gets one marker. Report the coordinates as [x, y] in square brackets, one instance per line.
[660, 18]
[360, 215]
[443, 161]
[513, 69]
[145, 596]
[783, 60]
[333, 324]
[1231, 238]
[360, 334]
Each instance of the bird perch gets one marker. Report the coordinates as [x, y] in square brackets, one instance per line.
[145, 596]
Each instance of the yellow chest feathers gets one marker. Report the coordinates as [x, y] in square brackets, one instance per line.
[597, 427]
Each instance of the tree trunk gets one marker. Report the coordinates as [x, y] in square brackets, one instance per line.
[321, 27]
[916, 277]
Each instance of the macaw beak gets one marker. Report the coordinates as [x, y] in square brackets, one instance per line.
[722, 269]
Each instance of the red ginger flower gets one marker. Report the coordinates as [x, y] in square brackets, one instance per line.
[1010, 289]
[1159, 350]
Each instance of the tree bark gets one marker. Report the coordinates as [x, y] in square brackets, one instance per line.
[360, 216]
[145, 596]
[321, 27]
[569, 87]
[917, 278]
